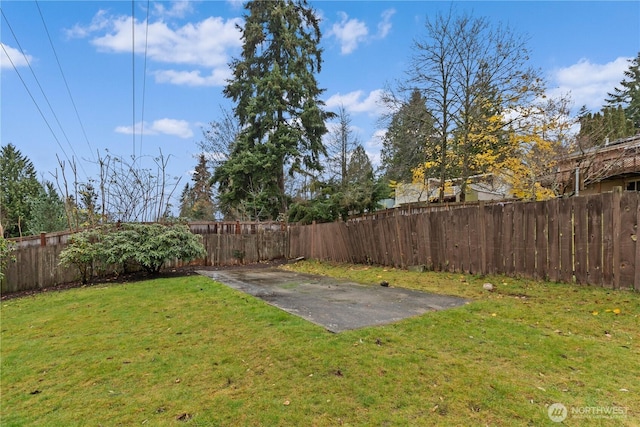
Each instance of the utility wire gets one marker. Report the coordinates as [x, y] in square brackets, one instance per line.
[133, 76]
[144, 76]
[41, 90]
[65, 80]
[34, 101]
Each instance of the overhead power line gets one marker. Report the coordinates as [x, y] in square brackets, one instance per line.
[34, 101]
[133, 75]
[144, 76]
[64, 79]
[41, 90]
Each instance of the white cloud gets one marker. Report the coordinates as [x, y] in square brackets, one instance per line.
[384, 26]
[99, 22]
[349, 32]
[358, 102]
[217, 77]
[179, 128]
[208, 44]
[177, 9]
[14, 59]
[352, 32]
[589, 83]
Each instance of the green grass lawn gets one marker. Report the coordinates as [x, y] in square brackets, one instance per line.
[190, 351]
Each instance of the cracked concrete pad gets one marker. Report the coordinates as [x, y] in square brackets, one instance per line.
[337, 305]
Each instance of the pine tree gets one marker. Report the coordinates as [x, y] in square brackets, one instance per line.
[196, 201]
[277, 105]
[47, 211]
[360, 193]
[408, 141]
[628, 95]
[18, 183]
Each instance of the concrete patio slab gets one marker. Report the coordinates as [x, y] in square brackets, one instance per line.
[337, 305]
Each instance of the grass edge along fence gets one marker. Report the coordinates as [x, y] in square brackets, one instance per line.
[586, 240]
[36, 264]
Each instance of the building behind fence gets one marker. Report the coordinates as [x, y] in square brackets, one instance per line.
[587, 240]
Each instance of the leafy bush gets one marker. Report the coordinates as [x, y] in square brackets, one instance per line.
[151, 245]
[6, 249]
[84, 251]
[148, 246]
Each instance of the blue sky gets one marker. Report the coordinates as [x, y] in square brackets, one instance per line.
[92, 105]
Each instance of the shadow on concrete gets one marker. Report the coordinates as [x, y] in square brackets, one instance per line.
[337, 305]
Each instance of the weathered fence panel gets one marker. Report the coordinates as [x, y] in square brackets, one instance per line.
[37, 258]
[590, 239]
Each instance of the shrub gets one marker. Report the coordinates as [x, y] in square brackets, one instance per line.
[84, 251]
[151, 245]
[6, 249]
[148, 246]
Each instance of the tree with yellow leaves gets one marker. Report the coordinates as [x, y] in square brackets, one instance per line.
[471, 75]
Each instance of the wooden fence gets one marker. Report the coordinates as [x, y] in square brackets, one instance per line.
[587, 240]
[227, 243]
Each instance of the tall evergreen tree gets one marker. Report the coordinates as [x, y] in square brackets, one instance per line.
[277, 105]
[18, 184]
[409, 137]
[196, 201]
[360, 193]
[628, 95]
[608, 124]
[47, 213]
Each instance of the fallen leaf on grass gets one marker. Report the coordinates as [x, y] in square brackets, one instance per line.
[184, 417]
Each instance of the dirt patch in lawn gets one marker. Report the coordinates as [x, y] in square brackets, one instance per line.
[337, 305]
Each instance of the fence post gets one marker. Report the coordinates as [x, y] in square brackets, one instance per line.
[482, 239]
[313, 239]
[615, 217]
[636, 281]
[43, 239]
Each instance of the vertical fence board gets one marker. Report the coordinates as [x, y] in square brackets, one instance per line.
[628, 238]
[475, 249]
[465, 243]
[580, 238]
[517, 238]
[436, 244]
[616, 232]
[565, 224]
[554, 239]
[607, 239]
[424, 239]
[498, 259]
[542, 241]
[529, 266]
[595, 243]
[507, 248]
